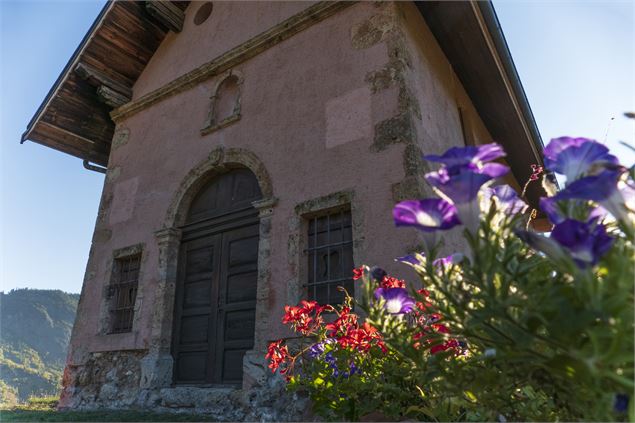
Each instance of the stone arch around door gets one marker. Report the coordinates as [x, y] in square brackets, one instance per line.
[158, 365]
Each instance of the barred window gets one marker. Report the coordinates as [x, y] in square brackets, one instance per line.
[123, 293]
[330, 256]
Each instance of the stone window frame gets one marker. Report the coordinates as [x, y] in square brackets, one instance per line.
[106, 316]
[299, 234]
[211, 124]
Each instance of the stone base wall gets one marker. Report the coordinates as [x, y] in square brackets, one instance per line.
[112, 380]
[104, 380]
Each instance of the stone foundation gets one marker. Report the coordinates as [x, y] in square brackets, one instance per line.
[113, 380]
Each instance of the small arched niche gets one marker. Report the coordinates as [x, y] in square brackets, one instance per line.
[225, 103]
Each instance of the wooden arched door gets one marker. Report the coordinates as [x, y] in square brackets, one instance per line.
[216, 290]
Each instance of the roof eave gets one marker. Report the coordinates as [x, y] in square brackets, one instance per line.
[63, 76]
[493, 26]
[472, 40]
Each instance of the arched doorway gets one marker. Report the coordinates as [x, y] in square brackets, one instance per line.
[215, 303]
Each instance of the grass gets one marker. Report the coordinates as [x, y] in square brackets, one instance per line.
[43, 410]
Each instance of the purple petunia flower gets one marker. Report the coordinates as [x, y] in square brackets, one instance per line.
[459, 188]
[462, 156]
[317, 350]
[408, 259]
[462, 190]
[464, 172]
[397, 300]
[507, 199]
[583, 242]
[550, 206]
[574, 157]
[355, 369]
[556, 214]
[586, 242]
[428, 215]
[412, 260]
[449, 260]
[620, 404]
[607, 189]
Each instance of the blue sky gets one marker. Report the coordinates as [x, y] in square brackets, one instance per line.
[575, 60]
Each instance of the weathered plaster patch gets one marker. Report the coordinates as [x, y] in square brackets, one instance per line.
[104, 208]
[120, 138]
[371, 31]
[124, 200]
[348, 117]
[113, 173]
[383, 78]
[102, 235]
[413, 162]
[410, 188]
[398, 129]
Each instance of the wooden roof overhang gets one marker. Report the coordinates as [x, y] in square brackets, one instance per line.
[471, 38]
[74, 117]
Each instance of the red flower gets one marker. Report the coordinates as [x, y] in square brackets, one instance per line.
[390, 282]
[361, 339]
[291, 314]
[447, 345]
[441, 328]
[278, 355]
[358, 273]
[423, 306]
[423, 292]
[306, 317]
[345, 321]
[535, 172]
[432, 331]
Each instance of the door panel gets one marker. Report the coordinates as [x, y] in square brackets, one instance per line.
[191, 367]
[216, 305]
[195, 312]
[237, 301]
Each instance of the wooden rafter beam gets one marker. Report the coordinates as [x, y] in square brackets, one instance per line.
[97, 79]
[111, 97]
[61, 139]
[167, 13]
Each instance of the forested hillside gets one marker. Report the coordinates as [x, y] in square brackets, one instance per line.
[35, 327]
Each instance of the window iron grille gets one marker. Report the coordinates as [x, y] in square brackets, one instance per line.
[330, 257]
[123, 293]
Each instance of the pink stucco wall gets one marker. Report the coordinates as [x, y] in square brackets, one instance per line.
[230, 24]
[309, 115]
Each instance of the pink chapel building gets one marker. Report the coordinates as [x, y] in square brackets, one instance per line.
[253, 152]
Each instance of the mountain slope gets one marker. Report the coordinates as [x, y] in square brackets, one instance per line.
[35, 327]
